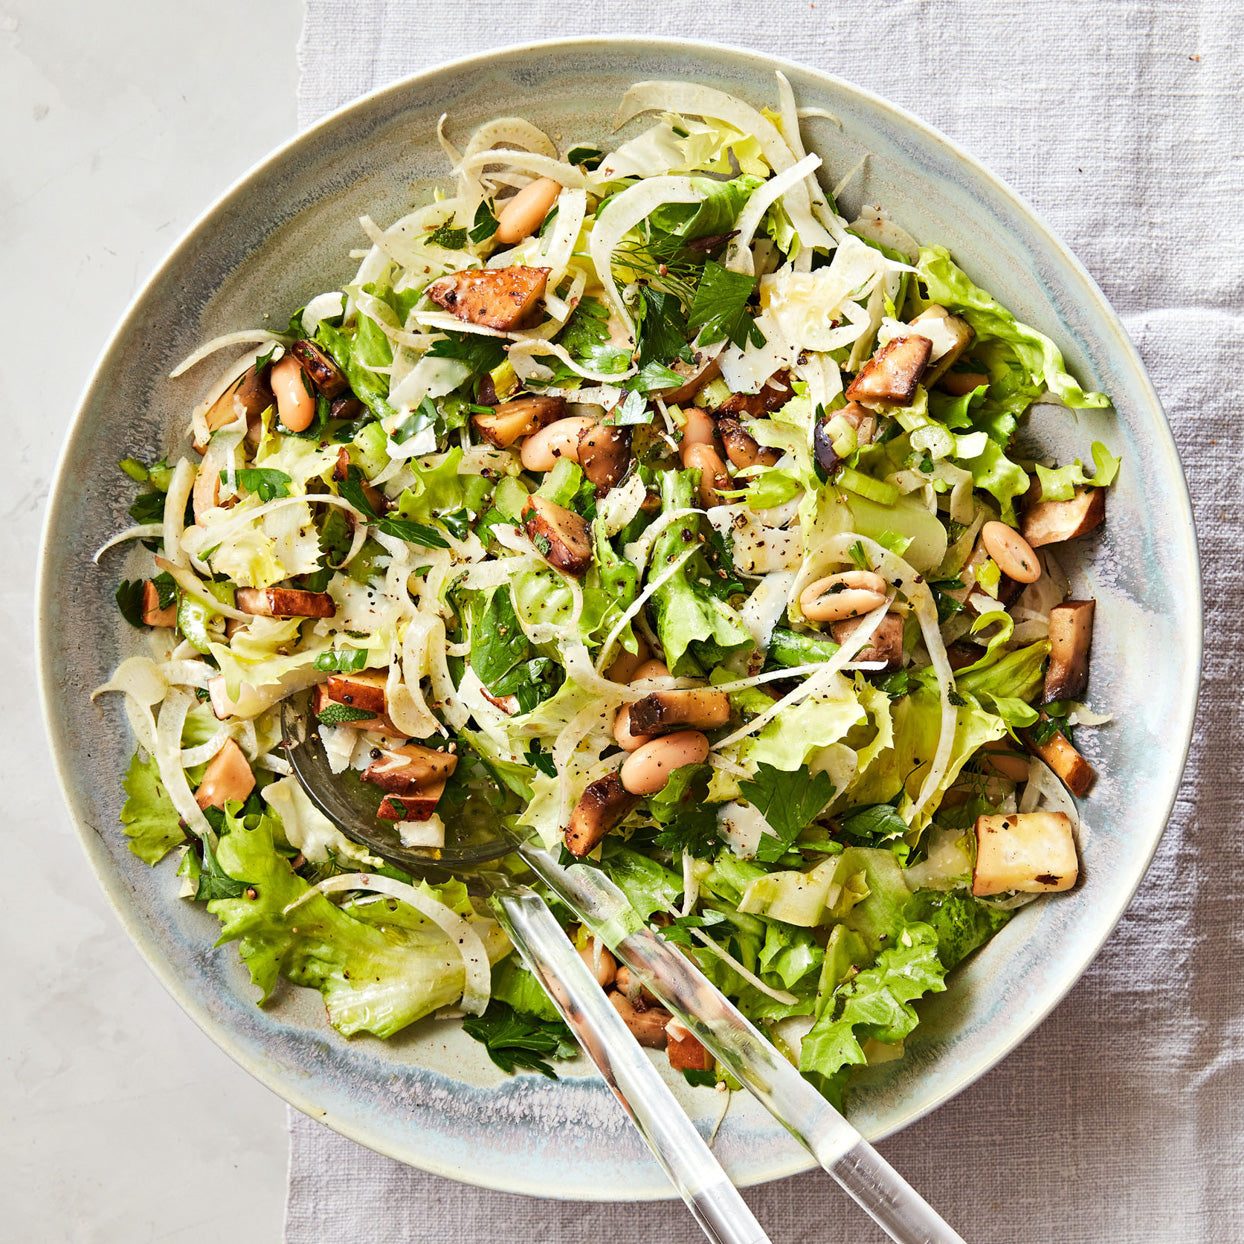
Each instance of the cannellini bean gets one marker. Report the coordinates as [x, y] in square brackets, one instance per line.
[848, 595]
[542, 449]
[626, 664]
[698, 429]
[644, 772]
[525, 212]
[714, 478]
[294, 403]
[622, 735]
[1011, 551]
[1005, 759]
[600, 963]
[651, 668]
[647, 1026]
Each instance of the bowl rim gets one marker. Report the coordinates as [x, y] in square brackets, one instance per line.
[1109, 325]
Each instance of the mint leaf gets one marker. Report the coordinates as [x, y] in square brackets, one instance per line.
[447, 236]
[214, 882]
[335, 714]
[342, 661]
[484, 224]
[414, 533]
[876, 825]
[129, 598]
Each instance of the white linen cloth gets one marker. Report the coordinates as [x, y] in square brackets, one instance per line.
[1122, 1118]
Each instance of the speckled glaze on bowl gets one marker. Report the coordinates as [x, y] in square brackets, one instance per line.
[282, 234]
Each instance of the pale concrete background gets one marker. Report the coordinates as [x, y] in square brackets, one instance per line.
[119, 121]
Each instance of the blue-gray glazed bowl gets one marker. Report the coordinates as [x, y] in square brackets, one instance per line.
[283, 233]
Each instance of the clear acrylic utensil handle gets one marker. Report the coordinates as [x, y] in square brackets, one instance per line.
[627, 1070]
[747, 1054]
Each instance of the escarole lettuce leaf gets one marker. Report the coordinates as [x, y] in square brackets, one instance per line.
[714, 215]
[379, 965]
[697, 630]
[874, 1004]
[1021, 360]
[149, 819]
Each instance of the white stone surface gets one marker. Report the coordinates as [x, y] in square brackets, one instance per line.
[119, 1120]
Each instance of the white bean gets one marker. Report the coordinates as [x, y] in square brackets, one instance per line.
[850, 594]
[1011, 551]
[714, 478]
[698, 429]
[622, 735]
[604, 967]
[644, 772]
[294, 404]
[626, 663]
[525, 212]
[542, 449]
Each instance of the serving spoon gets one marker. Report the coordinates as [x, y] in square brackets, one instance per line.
[551, 957]
[676, 981]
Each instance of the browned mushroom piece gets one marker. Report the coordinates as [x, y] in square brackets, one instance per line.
[741, 446]
[227, 778]
[623, 983]
[320, 700]
[250, 395]
[962, 334]
[285, 602]
[1075, 773]
[859, 417]
[1071, 639]
[327, 377]
[961, 653]
[605, 455]
[893, 372]
[647, 1025]
[698, 373]
[684, 1049]
[697, 708]
[603, 806]
[1003, 758]
[500, 298]
[1052, 522]
[362, 690]
[774, 394]
[1032, 852]
[512, 420]
[347, 407]
[341, 471]
[153, 615]
[560, 535]
[416, 805]
[410, 769]
[958, 383]
[885, 645]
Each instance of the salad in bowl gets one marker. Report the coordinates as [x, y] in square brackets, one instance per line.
[637, 500]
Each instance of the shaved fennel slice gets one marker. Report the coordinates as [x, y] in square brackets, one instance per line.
[200, 539]
[191, 756]
[703, 101]
[739, 254]
[168, 759]
[143, 531]
[477, 983]
[140, 681]
[526, 161]
[179, 489]
[624, 212]
[246, 336]
[192, 585]
[778, 995]
[790, 115]
[560, 241]
[525, 347]
[511, 131]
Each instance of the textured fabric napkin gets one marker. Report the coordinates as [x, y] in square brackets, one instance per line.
[1122, 1118]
